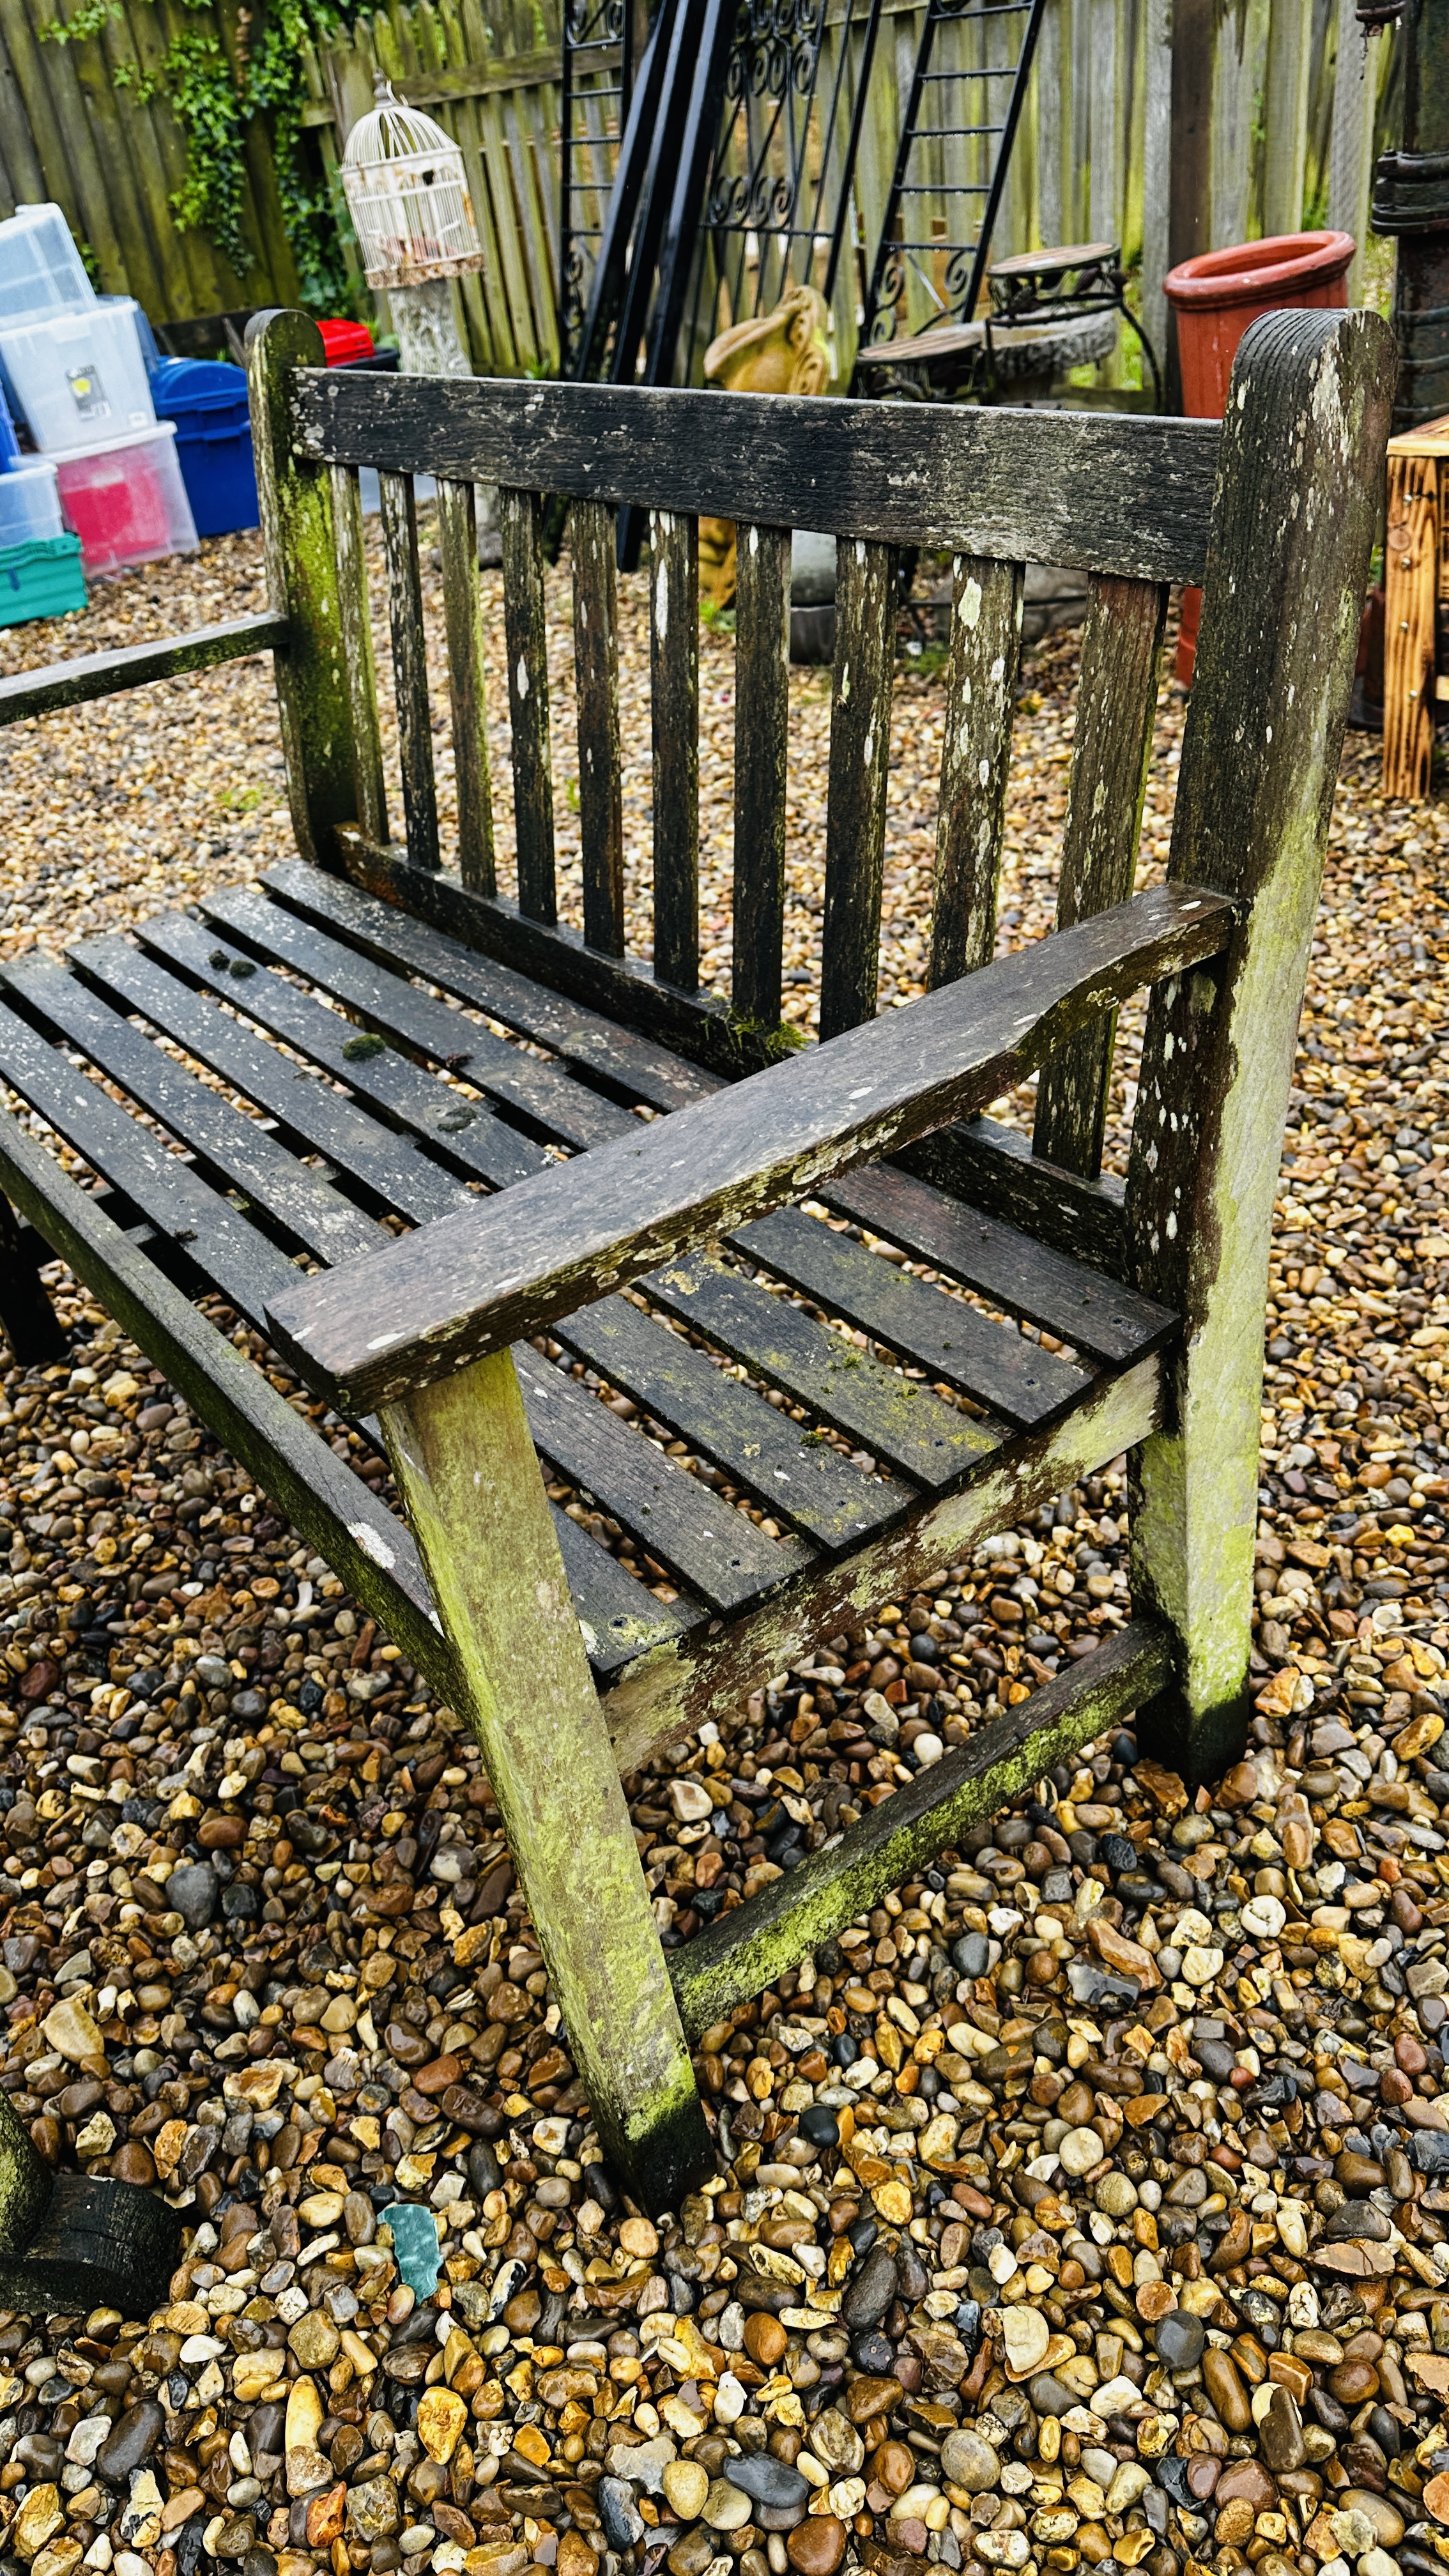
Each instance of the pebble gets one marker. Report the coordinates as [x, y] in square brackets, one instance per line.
[991, 2076]
[970, 2462]
[727, 2507]
[1225, 2388]
[192, 1893]
[817, 2545]
[132, 2439]
[871, 2291]
[766, 2480]
[686, 2485]
[1025, 2337]
[1179, 2339]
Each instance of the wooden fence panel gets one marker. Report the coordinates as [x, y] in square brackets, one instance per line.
[1291, 141]
[113, 158]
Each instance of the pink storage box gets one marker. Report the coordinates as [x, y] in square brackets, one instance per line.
[126, 500]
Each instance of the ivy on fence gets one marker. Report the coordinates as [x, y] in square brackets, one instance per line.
[213, 99]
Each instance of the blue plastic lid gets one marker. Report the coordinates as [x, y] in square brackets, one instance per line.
[179, 383]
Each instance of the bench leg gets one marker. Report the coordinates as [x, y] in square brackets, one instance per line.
[468, 1472]
[68, 2242]
[32, 1327]
[1194, 1513]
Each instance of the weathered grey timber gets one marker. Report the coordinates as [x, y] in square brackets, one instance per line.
[1118, 699]
[1218, 1052]
[426, 1305]
[1107, 492]
[985, 651]
[134, 666]
[696, 1197]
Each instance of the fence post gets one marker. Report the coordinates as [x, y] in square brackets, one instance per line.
[1290, 45]
[1156, 169]
[1351, 144]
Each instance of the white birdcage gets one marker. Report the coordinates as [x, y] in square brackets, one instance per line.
[407, 193]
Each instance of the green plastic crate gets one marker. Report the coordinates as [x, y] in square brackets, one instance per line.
[40, 579]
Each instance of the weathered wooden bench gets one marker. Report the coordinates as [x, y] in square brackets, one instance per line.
[536, 1196]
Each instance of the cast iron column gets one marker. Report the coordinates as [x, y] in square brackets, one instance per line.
[1411, 200]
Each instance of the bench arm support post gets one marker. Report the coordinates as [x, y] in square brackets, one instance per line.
[295, 504]
[468, 1473]
[1293, 523]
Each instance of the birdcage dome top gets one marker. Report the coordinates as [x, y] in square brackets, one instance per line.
[395, 132]
[407, 192]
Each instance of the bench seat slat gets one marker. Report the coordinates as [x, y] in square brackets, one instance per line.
[700, 1025]
[292, 1463]
[166, 1191]
[718, 1552]
[240, 1261]
[400, 1091]
[992, 1168]
[620, 1617]
[896, 1419]
[542, 1094]
[628, 1067]
[313, 1117]
[245, 1155]
[1101, 1318]
[1014, 1378]
[799, 1478]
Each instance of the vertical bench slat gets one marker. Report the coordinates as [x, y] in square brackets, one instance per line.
[524, 629]
[410, 667]
[467, 683]
[762, 716]
[860, 726]
[1116, 703]
[596, 667]
[357, 653]
[674, 675]
[984, 656]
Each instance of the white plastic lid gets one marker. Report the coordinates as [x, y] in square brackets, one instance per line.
[154, 429]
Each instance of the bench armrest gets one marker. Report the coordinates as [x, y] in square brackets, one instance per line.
[380, 1327]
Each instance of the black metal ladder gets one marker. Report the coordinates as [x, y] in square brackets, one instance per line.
[956, 102]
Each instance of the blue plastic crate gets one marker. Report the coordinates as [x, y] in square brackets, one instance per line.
[208, 402]
[41, 579]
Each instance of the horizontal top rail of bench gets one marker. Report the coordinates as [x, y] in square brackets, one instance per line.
[381, 1325]
[102, 675]
[1107, 493]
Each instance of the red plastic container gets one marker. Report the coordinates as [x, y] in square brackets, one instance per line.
[344, 340]
[1215, 297]
[127, 502]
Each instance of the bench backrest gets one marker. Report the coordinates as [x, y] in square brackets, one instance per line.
[1128, 500]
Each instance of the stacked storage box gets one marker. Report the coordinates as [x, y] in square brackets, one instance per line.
[40, 561]
[74, 365]
[207, 400]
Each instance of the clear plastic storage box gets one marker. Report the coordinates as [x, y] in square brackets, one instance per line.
[40, 267]
[29, 504]
[126, 500]
[79, 378]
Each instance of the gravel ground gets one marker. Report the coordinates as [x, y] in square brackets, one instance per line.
[1088, 2202]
